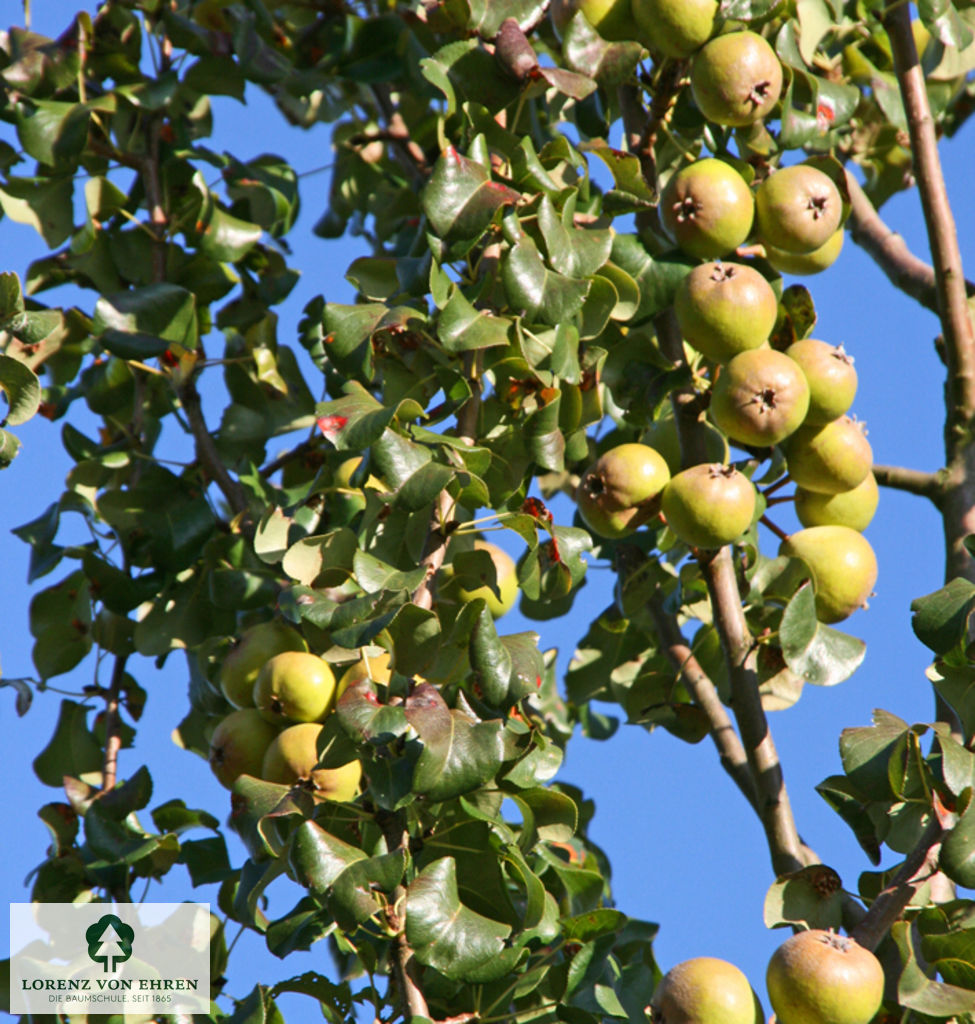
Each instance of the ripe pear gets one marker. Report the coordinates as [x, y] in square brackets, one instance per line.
[725, 308]
[854, 509]
[621, 490]
[832, 380]
[802, 264]
[369, 666]
[238, 745]
[612, 19]
[662, 436]
[295, 686]
[842, 564]
[760, 397]
[829, 459]
[292, 758]
[507, 580]
[706, 990]
[676, 28]
[736, 79]
[819, 977]
[240, 667]
[707, 208]
[709, 505]
[798, 208]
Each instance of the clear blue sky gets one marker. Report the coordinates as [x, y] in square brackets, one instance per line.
[686, 850]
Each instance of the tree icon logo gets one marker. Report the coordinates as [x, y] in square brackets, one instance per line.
[109, 942]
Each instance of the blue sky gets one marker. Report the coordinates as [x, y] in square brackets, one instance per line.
[686, 850]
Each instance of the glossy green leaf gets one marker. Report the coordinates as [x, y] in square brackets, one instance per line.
[460, 199]
[866, 753]
[144, 322]
[445, 934]
[459, 753]
[463, 328]
[540, 294]
[316, 858]
[814, 652]
[940, 619]
[916, 991]
[957, 856]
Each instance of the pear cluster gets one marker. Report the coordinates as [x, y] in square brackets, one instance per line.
[282, 694]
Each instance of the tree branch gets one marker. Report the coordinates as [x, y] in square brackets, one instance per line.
[738, 646]
[408, 152]
[952, 300]
[415, 1004]
[904, 270]
[921, 864]
[113, 732]
[730, 751]
[206, 450]
[914, 481]
[774, 808]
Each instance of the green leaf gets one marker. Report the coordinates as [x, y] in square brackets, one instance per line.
[227, 238]
[43, 203]
[595, 924]
[72, 749]
[588, 53]
[462, 328]
[814, 652]
[957, 856]
[656, 277]
[940, 619]
[747, 10]
[841, 795]
[866, 753]
[316, 858]
[445, 934]
[459, 753]
[145, 321]
[22, 388]
[9, 448]
[540, 294]
[53, 132]
[942, 20]
[916, 991]
[460, 199]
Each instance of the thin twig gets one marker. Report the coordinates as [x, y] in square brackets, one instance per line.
[206, 450]
[409, 153]
[914, 481]
[920, 865]
[415, 1004]
[113, 722]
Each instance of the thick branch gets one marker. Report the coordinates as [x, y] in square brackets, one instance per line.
[920, 865]
[914, 481]
[774, 808]
[738, 646]
[952, 300]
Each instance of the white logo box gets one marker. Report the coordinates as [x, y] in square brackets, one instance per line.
[103, 958]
